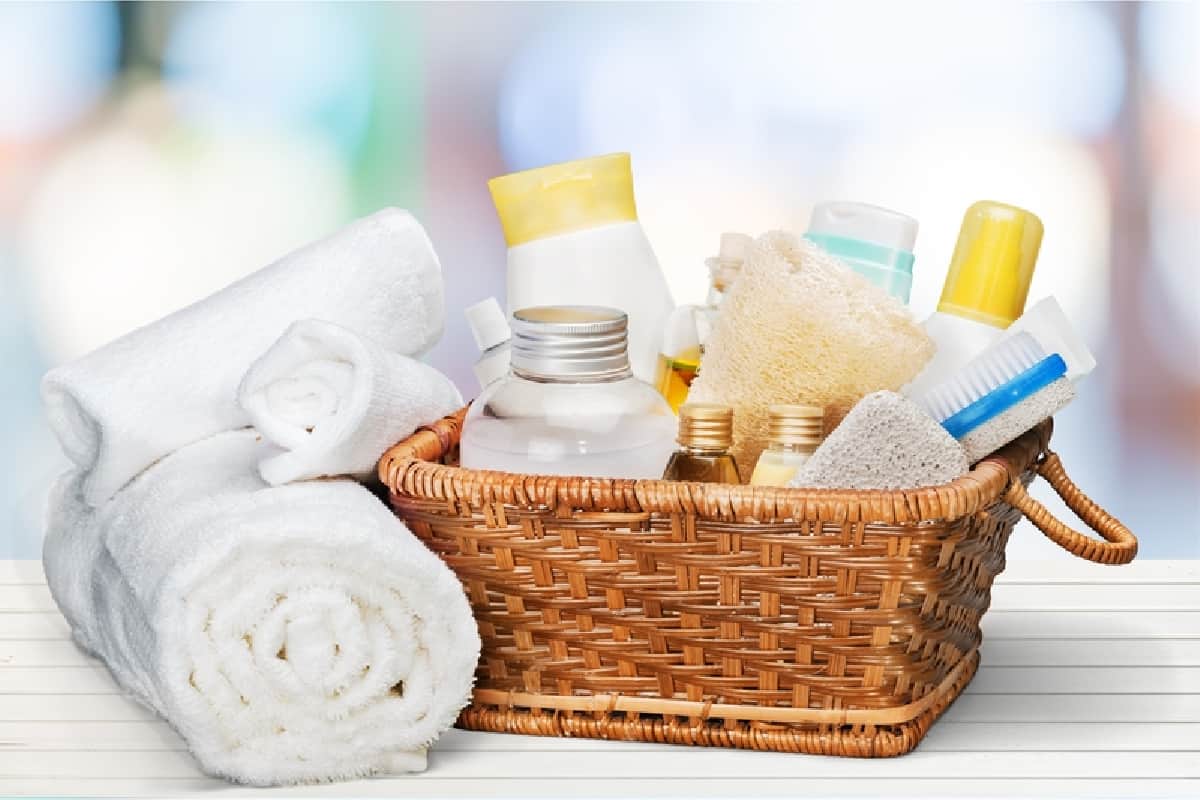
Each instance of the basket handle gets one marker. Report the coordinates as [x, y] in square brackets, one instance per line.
[1119, 545]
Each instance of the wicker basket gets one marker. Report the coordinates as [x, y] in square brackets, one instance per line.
[831, 622]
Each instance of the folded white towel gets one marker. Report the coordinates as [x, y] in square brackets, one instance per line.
[292, 633]
[334, 401]
[173, 382]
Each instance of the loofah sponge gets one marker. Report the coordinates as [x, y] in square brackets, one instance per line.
[798, 326]
[885, 442]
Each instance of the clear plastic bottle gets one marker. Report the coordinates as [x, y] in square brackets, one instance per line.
[490, 329]
[570, 404]
[705, 436]
[793, 434]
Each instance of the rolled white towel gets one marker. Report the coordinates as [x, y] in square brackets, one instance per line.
[174, 381]
[292, 633]
[334, 401]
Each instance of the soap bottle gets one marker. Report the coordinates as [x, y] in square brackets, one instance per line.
[794, 432]
[705, 436]
[574, 238]
[875, 242]
[689, 326]
[985, 288]
[490, 328]
[569, 404]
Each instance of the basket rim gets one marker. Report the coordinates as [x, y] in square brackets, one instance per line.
[410, 469]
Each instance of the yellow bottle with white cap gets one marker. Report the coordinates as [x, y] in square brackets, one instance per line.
[574, 239]
[985, 288]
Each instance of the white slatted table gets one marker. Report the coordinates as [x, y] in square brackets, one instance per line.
[1090, 686]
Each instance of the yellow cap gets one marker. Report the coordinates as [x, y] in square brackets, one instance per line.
[992, 264]
[565, 197]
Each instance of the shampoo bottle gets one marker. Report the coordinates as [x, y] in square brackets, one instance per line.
[985, 288]
[574, 239]
[875, 242]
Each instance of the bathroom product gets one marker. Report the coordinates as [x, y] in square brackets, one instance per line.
[174, 381]
[490, 328]
[875, 242]
[333, 401]
[793, 433]
[679, 359]
[798, 327]
[689, 326]
[570, 404]
[1048, 324]
[705, 436]
[985, 288]
[574, 238]
[885, 442]
[288, 634]
[724, 268]
[1005, 391]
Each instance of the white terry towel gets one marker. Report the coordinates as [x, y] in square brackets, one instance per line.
[334, 401]
[292, 633]
[174, 382]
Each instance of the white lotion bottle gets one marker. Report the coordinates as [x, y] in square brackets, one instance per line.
[489, 327]
[985, 290]
[574, 239]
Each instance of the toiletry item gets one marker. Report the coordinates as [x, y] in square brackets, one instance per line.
[724, 268]
[705, 435]
[1048, 324]
[679, 359]
[798, 327]
[793, 433]
[875, 242]
[569, 405]
[1005, 391]
[885, 442]
[985, 288]
[122, 407]
[490, 328]
[289, 634]
[574, 238]
[332, 401]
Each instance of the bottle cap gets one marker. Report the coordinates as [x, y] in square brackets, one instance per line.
[803, 426]
[705, 426]
[875, 242]
[992, 264]
[581, 342]
[488, 324]
[561, 198]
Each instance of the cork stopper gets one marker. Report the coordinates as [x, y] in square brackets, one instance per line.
[705, 426]
[799, 426]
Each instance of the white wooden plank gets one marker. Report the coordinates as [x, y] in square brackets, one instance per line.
[96, 679]
[21, 571]
[34, 626]
[1079, 571]
[1090, 624]
[147, 735]
[26, 597]
[615, 786]
[43, 653]
[1096, 597]
[712, 763]
[1086, 652]
[1076, 708]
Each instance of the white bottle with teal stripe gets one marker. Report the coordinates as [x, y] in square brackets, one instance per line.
[875, 242]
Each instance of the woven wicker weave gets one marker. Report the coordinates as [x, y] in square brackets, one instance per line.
[839, 623]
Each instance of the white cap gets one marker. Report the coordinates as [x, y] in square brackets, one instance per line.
[488, 324]
[866, 223]
[734, 246]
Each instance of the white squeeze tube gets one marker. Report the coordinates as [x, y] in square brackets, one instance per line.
[574, 239]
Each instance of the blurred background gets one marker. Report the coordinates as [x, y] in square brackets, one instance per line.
[151, 153]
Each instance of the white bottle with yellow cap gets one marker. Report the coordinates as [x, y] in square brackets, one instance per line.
[574, 238]
[985, 288]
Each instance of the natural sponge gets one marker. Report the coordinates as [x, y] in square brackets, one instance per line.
[885, 442]
[798, 326]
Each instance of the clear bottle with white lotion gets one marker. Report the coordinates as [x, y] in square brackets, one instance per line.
[569, 405]
[574, 238]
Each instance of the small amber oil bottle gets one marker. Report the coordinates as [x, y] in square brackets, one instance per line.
[705, 436]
